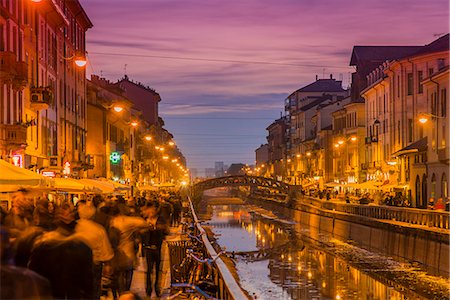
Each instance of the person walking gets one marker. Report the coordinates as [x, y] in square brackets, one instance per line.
[152, 240]
[97, 239]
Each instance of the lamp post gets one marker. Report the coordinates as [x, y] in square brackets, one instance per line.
[423, 118]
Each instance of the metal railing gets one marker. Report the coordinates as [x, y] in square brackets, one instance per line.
[430, 218]
[228, 288]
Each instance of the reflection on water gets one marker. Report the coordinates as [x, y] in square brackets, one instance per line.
[292, 269]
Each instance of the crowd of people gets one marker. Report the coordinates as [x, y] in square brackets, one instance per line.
[81, 250]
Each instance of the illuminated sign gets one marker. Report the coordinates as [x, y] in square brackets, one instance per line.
[48, 174]
[66, 168]
[114, 157]
[17, 160]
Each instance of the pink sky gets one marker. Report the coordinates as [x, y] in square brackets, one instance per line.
[302, 39]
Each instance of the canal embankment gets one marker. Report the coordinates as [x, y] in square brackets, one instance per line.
[404, 242]
[310, 263]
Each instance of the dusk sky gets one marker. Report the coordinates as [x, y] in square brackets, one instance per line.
[224, 68]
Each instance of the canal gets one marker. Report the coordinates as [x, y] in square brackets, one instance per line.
[276, 260]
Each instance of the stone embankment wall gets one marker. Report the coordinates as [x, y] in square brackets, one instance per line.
[429, 247]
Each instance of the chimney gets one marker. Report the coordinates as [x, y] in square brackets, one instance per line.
[331, 76]
[317, 77]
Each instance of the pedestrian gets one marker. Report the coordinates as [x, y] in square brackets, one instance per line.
[152, 240]
[125, 255]
[64, 258]
[97, 239]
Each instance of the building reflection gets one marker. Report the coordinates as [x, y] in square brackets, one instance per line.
[303, 270]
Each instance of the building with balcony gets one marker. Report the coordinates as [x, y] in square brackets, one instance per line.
[401, 150]
[42, 90]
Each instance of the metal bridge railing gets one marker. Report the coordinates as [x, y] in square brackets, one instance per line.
[228, 288]
[424, 217]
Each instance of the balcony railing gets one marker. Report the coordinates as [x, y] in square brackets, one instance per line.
[20, 79]
[7, 65]
[41, 98]
[13, 135]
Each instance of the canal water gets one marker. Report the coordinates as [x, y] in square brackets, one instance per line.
[289, 267]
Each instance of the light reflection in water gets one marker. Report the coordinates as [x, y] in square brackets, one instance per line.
[303, 271]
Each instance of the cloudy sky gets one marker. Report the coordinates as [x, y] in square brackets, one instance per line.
[224, 68]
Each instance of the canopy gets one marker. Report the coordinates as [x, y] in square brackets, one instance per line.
[13, 178]
[73, 185]
[104, 186]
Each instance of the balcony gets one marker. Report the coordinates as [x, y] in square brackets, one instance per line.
[20, 80]
[7, 65]
[13, 136]
[41, 98]
[443, 155]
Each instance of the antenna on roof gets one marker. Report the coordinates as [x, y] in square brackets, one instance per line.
[125, 69]
[101, 73]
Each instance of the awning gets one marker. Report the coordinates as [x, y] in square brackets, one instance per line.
[418, 146]
[13, 178]
[117, 186]
[104, 186]
[332, 184]
[73, 185]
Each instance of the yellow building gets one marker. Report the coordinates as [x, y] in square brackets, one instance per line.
[43, 91]
[400, 150]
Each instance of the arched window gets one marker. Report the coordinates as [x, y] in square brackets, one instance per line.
[444, 186]
[424, 191]
[433, 185]
[417, 204]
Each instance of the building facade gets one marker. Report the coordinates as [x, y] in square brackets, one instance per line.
[400, 149]
[43, 98]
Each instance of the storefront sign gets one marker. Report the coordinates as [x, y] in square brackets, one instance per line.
[48, 173]
[17, 160]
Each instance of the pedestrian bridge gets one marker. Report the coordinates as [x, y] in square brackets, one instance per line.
[269, 186]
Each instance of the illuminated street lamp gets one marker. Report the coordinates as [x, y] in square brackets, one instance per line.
[118, 108]
[171, 143]
[148, 138]
[134, 123]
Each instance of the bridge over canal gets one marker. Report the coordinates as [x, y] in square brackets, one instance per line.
[262, 186]
[413, 234]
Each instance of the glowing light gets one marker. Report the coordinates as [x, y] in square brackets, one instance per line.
[423, 119]
[309, 274]
[336, 145]
[340, 142]
[148, 138]
[298, 155]
[308, 153]
[171, 143]
[134, 123]
[80, 61]
[353, 138]
[165, 157]
[118, 108]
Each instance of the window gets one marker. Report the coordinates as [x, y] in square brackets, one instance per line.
[410, 84]
[410, 130]
[433, 185]
[444, 102]
[419, 82]
[430, 71]
[444, 186]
